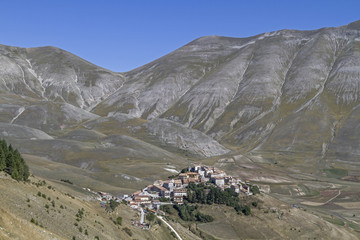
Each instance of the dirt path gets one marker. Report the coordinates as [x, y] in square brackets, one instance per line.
[320, 204]
[333, 197]
[172, 229]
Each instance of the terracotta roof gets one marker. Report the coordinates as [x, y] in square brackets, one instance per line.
[180, 190]
[192, 173]
[161, 188]
[217, 178]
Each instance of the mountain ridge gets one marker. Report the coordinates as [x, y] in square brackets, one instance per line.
[278, 96]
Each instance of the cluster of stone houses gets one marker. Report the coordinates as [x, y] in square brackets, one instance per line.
[221, 179]
[175, 189]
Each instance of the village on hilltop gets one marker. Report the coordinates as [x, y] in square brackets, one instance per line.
[175, 189]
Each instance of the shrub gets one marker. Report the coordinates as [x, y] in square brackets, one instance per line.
[254, 204]
[66, 181]
[254, 189]
[128, 231]
[119, 220]
[246, 210]
[150, 217]
[80, 214]
[164, 199]
[204, 218]
[112, 205]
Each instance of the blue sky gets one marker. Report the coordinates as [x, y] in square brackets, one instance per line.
[122, 35]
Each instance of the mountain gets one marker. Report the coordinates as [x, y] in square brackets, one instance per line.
[289, 92]
[288, 97]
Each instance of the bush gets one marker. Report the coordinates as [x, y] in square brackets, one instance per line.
[173, 234]
[254, 204]
[168, 209]
[150, 217]
[254, 189]
[128, 231]
[164, 199]
[204, 218]
[119, 220]
[112, 205]
[66, 181]
[246, 210]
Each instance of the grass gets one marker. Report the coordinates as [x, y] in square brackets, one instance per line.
[336, 172]
[335, 220]
[15, 214]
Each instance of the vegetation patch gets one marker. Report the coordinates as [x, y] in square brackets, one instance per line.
[203, 194]
[336, 172]
[335, 220]
[12, 163]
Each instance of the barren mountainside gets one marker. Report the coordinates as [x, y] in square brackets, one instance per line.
[280, 95]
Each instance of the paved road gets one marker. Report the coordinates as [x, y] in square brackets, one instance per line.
[142, 218]
[172, 229]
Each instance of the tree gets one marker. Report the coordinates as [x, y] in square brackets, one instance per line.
[12, 163]
[246, 210]
[2, 159]
[150, 217]
[254, 189]
[112, 205]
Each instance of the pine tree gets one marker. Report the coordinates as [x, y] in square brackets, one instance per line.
[12, 163]
[2, 160]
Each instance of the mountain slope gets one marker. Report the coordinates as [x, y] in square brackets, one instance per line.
[53, 74]
[286, 91]
[277, 96]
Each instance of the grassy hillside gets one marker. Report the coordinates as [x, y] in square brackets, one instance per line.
[53, 206]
